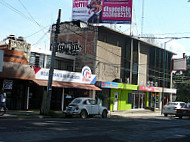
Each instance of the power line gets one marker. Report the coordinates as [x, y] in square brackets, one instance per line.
[37, 31]
[29, 13]
[15, 10]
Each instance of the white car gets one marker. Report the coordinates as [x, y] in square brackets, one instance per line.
[85, 107]
[171, 108]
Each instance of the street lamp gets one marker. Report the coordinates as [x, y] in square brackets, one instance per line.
[164, 68]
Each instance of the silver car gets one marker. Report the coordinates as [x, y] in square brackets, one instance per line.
[171, 108]
[85, 107]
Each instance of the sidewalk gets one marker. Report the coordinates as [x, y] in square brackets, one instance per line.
[135, 113]
[111, 114]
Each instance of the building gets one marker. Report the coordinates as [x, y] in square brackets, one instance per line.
[18, 44]
[136, 66]
[15, 79]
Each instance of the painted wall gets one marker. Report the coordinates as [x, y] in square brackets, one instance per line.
[122, 99]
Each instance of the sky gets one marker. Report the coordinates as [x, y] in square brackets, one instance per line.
[32, 20]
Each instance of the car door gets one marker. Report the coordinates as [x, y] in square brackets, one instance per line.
[94, 107]
[88, 106]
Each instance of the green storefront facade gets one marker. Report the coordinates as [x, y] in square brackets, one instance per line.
[122, 96]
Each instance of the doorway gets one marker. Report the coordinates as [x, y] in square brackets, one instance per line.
[116, 96]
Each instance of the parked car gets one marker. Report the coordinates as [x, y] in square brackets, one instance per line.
[184, 111]
[85, 107]
[171, 108]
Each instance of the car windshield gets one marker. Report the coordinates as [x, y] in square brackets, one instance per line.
[186, 106]
[172, 104]
[76, 101]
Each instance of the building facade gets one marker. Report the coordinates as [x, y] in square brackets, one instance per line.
[120, 58]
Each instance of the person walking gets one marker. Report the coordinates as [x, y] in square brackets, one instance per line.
[3, 100]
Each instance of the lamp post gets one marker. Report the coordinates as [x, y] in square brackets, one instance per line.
[164, 70]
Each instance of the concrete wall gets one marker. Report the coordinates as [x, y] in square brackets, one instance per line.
[143, 62]
[108, 61]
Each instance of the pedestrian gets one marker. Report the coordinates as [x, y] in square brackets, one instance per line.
[3, 100]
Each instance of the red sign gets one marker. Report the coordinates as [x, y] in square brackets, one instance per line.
[146, 88]
[116, 11]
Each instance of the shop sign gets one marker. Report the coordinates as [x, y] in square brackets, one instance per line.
[8, 84]
[157, 89]
[65, 76]
[1, 60]
[109, 85]
[128, 86]
[146, 88]
[169, 90]
[69, 48]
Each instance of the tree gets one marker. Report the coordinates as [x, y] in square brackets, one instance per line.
[182, 82]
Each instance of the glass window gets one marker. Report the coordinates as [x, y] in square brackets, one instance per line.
[93, 102]
[76, 101]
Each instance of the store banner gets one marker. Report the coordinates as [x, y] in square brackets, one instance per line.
[109, 85]
[128, 86]
[146, 88]
[1, 60]
[65, 76]
[170, 90]
[102, 11]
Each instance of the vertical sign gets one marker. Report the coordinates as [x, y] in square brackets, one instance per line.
[1, 60]
[102, 11]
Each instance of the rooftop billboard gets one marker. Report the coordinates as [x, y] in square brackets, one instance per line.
[102, 11]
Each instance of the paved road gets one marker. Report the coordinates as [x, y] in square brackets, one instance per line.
[145, 129]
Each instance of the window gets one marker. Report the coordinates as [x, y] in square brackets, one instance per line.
[76, 101]
[93, 102]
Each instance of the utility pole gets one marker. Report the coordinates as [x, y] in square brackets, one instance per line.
[47, 97]
[164, 70]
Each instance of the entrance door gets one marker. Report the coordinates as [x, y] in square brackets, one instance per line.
[138, 100]
[115, 106]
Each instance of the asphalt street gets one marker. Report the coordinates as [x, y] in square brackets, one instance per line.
[120, 129]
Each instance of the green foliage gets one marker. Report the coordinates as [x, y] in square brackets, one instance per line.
[183, 88]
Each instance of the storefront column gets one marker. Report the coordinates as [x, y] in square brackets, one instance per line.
[63, 96]
[171, 87]
[93, 94]
[160, 100]
[131, 64]
[27, 99]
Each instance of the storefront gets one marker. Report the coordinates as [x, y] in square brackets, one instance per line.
[154, 95]
[66, 86]
[15, 80]
[120, 97]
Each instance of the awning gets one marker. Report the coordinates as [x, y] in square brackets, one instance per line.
[68, 85]
[17, 71]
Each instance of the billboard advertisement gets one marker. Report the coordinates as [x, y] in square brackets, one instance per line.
[102, 11]
[179, 64]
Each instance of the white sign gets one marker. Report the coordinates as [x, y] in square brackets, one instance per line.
[65, 76]
[170, 90]
[179, 64]
[1, 60]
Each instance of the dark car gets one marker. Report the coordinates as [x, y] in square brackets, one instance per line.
[184, 111]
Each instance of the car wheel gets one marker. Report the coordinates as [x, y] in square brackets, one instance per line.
[165, 115]
[104, 114]
[83, 114]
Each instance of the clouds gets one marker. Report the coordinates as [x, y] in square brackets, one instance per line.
[177, 48]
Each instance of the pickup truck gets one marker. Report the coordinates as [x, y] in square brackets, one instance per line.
[85, 107]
